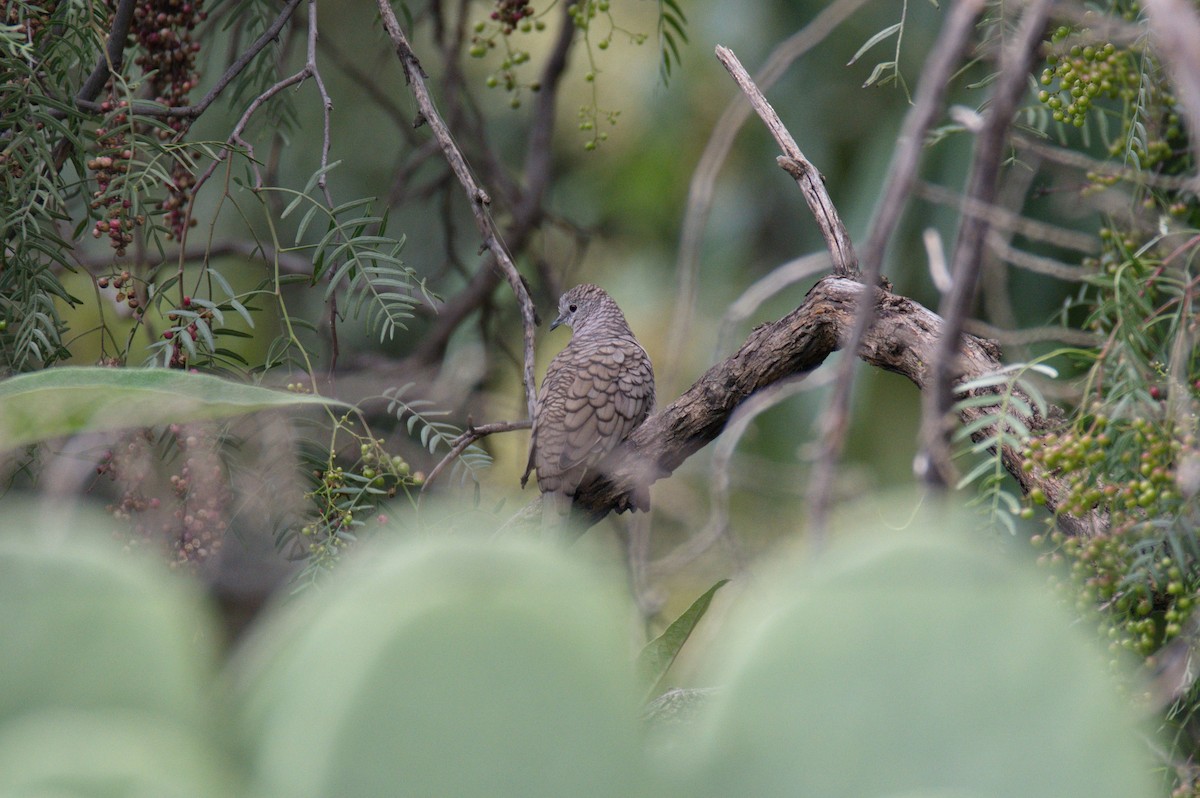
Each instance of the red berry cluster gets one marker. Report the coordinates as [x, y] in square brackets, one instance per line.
[163, 30]
[510, 13]
[126, 290]
[189, 520]
[109, 168]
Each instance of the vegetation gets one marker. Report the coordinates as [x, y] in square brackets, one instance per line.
[264, 269]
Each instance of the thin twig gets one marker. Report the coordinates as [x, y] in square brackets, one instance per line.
[1015, 62]
[467, 437]
[717, 527]
[763, 289]
[86, 101]
[1002, 218]
[1038, 264]
[476, 196]
[701, 189]
[845, 264]
[1086, 163]
[927, 105]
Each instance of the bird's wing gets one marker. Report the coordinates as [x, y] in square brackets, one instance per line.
[591, 400]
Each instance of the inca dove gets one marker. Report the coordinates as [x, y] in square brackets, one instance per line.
[595, 392]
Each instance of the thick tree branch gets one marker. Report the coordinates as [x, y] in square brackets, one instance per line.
[903, 340]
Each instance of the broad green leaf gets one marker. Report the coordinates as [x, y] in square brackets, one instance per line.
[73, 400]
[92, 627]
[655, 659]
[919, 661]
[444, 668]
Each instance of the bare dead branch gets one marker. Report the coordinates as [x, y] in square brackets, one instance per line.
[845, 264]
[1035, 263]
[1002, 218]
[476, 196]
[527, 208]
[716, 151]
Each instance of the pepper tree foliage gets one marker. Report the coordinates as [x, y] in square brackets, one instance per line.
[1129, 450]
[1128, 447]
[96, 142]
[98, 100]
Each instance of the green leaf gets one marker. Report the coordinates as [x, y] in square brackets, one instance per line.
[73, 400]
[490, 668]
[877, 74]
[655, 659]
[830, 687]
[886, 33]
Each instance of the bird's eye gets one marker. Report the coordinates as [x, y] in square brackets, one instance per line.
[571, 308]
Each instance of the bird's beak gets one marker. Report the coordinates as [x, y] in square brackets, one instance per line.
[556, 323]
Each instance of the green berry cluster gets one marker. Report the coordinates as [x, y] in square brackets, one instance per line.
[1139, 616]
[507, 18]
[1081, 72]
[348, 498]
[1150, 585]
[1076, 77]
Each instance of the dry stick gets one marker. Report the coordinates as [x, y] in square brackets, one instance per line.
[1078, 160]
[476, 196]
[927, 105]
[845, 264]
[716, 151]
[1005, 219]
[527, 213]
[1016, 60]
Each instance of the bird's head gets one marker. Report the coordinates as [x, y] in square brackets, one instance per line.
[582, 304]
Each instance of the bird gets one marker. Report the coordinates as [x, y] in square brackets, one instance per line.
[596, 391]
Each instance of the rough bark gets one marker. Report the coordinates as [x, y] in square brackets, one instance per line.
[902, 339]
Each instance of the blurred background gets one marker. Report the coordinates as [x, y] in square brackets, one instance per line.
[614, 215]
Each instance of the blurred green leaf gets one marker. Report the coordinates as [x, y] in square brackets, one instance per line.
[73, 400]
[918, 661]
[111, 754]
[445, 668]
[655, 659]
[88, 626]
